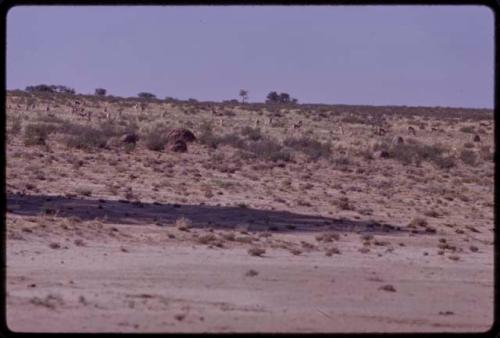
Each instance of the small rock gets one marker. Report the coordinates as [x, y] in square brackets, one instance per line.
[388, 287]
[55, 245]
[446, 313]
[251, 273]
[180, 317]
[254, 251]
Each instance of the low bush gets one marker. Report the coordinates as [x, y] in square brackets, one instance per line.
[417, 152]
[88, 138]
[36, 134]
[486, 154]
[468, 157]
[468, 129]
[312, 148]
[268, 149]
[232, 140]
[49, 118]
[16, 126]
[156, 138]
[208, 138]
[354, 119]
[253, 134]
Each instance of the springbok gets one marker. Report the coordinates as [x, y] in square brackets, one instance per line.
[412, 131]
[140, 107]
[397, 140]
[380, 131]
[297, 125]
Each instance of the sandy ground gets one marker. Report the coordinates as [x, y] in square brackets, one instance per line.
[166, 286]
[109, 241]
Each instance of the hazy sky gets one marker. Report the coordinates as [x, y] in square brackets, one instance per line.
[380, 55]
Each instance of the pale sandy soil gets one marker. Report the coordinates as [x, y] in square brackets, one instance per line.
[159, 241]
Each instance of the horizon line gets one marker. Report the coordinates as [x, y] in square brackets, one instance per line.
[166, 98]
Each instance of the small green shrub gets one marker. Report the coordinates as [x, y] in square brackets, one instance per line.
[232, 140]
[89, 138]
[486, 154]
[341, 160]
[208, 138]
[354, 119]
[129, 147]
[16, 126]
[49, 118]
[468, 129]
[312, 148]
[36, 134]
[445, 162]
[469, 157]
[110, 129]
[268, 149]
[416, 152]
[253, 134]
[156, 138]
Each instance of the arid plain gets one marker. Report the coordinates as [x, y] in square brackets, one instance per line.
[277, 218]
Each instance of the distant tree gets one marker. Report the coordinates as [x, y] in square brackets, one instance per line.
[40, 88]
[67, 90]
[294, 101]
[100, 92]
[284, 98]
[43, 88]
[244, 95]
[273, 97]
[63, 90]
[146, 95]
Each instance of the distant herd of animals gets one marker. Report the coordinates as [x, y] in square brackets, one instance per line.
[77, 108]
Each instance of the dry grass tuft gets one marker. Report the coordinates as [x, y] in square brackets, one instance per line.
[388, 287]
[418, 222]
[332, 251]
[183, 224]
[255, 251]
[251, 273]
